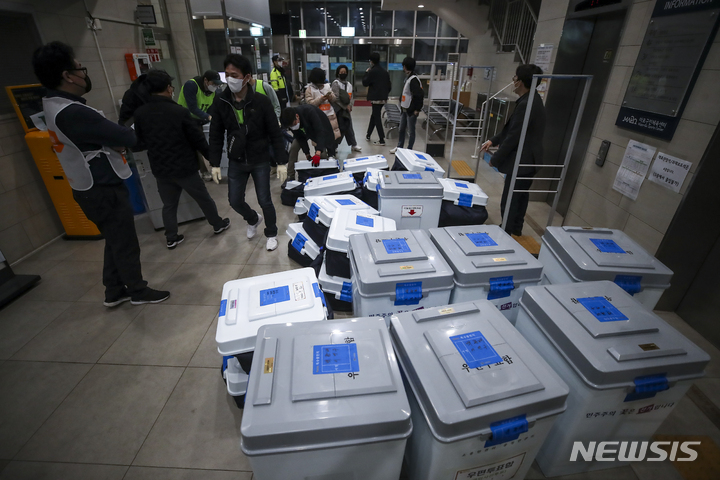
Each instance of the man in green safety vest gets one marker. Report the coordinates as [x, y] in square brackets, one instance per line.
[264, 88]
[277, 80]
[198, 94]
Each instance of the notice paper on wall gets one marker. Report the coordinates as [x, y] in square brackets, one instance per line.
[669, 171]
[635, 164]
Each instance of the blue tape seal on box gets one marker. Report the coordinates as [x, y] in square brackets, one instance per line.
[465, 200]
[647, 387]
[299, 242]
[475, 349]
[341, 358]
[605, 245]
[271, 296]
[421, 156]
[632, 284]
[396, 245]
[408, 293]
[507, 430]
[346, 292]
[319, 293]
[329, 177]
[460, 185]
[412, 176]
[500, 287]
[223, 308]
[601, 309]
[428, 169]
[344, 201]
[313, 212]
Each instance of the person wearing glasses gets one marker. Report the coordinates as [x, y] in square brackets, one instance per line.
[508, 141]
[90, 149]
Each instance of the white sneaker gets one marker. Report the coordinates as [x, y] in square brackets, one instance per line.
[252, 229]
[271, 244]
[356, 149]
[394, 150]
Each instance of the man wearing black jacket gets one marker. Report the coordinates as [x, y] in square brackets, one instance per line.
[509, 140]
[89, 148]
[378, 81]
[308, 122]
[248, 121]
[172, 138]
[411, 103]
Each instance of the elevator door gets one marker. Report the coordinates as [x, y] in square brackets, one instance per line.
[587, 47]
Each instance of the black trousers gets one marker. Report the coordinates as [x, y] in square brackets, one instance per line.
[108, 207]
[170, 190]
[518, 205]
[376, 121]
[238, 176]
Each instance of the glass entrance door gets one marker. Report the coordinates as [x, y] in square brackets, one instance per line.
[397, 54]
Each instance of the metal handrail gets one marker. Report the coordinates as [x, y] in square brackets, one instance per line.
[514, 23]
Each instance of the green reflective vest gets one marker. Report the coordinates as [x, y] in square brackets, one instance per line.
[203, 101]
[258, 89]
[277, 80]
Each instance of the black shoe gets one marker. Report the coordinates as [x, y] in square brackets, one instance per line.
[367, 138]
[177, 240]
[114, 302]
[225, 225]
[148, 295]
[380, 142]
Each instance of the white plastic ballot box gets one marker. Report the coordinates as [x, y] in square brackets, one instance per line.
[482, 399]
[330, 184]
[325, 401]
[625, 366]
[249, 303]
[412, 199]
[397, 271]
[488, 264]
[415, 161]
[582, 254]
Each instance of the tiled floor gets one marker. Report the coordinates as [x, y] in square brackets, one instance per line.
[135, 393]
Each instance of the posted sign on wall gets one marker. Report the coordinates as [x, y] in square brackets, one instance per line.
[671, 56]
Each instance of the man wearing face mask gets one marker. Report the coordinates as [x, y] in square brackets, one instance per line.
[88, 147]
[247, 120]
[198, 94]
[411, 103]
[508, 141]
[172, 139]
[308, 122]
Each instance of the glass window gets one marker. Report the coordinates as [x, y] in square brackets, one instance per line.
[404, 23]
[445, 30]
[295, 23]
[463, 46]
[382, 22]
[426, 25]
[336, 18]
[424, 50]
[314, 19]
[360, 18]
[443, 48]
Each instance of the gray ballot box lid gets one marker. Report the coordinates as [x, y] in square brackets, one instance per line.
[384, 260]
[323, 385]
[409, 185]
[602, 254]
[479, 253]
[609, 338]
[470, 370]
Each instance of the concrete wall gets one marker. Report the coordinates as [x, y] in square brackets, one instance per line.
[27, 216]
[594, 202]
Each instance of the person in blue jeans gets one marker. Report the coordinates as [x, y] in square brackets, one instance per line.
[411, 103]
[247, 120]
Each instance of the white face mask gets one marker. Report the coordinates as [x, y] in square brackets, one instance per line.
[295, 127]
[212, 88]
[235, 84]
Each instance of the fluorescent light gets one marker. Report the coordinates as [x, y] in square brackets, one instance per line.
[421, 6]
[257, 25]
[256, 31]
[348, 31]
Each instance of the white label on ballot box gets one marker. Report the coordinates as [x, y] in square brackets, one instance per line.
[412, 210]
[299, 290]
[502, 470]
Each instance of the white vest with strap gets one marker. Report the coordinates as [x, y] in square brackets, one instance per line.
[406, 99]
[75, 162]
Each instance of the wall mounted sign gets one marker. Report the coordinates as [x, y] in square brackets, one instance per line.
[671, 56]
